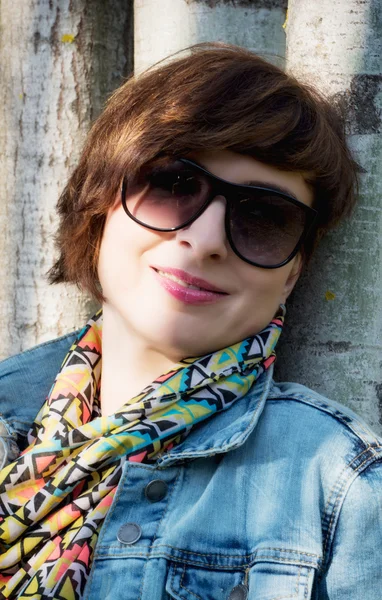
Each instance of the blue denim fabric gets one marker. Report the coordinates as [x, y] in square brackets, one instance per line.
[279, 497]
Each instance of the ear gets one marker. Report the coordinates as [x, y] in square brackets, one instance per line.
[293, 276]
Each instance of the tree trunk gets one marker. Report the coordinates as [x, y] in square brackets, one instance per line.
[162, 28]
[58, 61]
[336, 346]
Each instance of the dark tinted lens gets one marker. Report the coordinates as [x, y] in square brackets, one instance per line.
[265, 227]
[167, 197]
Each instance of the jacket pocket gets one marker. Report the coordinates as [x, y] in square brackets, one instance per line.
[281, 581]
[186, 582]
[263, 581]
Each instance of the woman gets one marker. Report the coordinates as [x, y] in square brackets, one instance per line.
[185, 471]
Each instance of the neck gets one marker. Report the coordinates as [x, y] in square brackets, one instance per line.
[129, 364]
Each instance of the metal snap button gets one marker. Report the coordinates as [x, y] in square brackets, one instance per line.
[129, 533]
[239, 592]
[156, 490]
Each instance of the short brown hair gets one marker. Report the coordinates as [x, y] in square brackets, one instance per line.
[216, 97]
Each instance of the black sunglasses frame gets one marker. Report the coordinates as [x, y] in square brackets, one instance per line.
[311, 213]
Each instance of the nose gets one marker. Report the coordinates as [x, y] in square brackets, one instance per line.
[206, 235]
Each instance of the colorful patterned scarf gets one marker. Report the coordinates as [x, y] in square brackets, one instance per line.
[55, 496]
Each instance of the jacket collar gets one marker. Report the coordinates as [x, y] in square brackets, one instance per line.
[226, 430]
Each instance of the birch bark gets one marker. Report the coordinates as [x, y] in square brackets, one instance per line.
[58, 61]
[337, 347]
[162, 28]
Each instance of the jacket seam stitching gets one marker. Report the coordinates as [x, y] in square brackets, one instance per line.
[341, 417]
[345, 468]
[184, 587]
[268, 548]
[341, 497]
[217, 565]
[156, 531]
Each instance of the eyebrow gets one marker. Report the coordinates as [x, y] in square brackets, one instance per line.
[272, 186]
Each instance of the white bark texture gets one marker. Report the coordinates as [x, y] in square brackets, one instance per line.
[334, 326]
[58, 61]
[164, 27]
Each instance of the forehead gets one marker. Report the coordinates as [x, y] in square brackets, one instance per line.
[240, 168]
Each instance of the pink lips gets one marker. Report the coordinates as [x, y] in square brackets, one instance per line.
[208, 294]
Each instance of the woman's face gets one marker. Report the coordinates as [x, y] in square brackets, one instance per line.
[157, 310]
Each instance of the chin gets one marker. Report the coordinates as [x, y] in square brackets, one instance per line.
[178, 343]
[179, 346]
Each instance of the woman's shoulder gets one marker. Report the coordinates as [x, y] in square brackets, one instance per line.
[314, 404]
[303, 421]
[327, 454]
[26, 379]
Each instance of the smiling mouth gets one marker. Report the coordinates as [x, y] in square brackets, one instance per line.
[187, 280]
[180, 281]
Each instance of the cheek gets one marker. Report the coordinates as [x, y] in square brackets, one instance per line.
[116, 246]
[263, 292]
[121, 237]
[266, 284]
[123, 244]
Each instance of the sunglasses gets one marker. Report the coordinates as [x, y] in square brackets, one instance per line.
[265, 227]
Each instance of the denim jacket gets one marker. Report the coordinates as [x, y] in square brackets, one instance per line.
[279, 497]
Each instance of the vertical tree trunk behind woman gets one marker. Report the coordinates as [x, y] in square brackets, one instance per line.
[58, 62]
[333, 339]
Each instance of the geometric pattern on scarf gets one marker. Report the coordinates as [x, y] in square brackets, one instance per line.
[56, 495]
